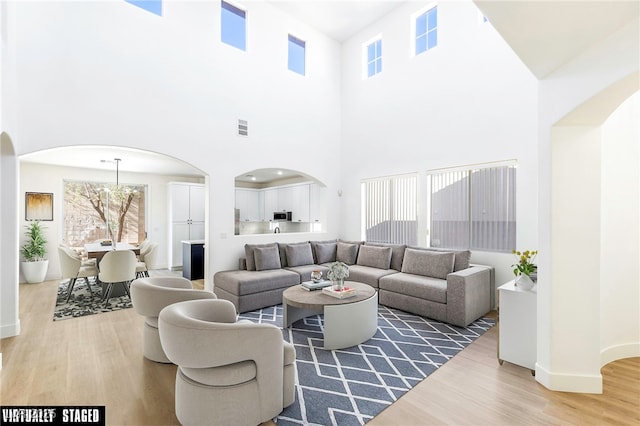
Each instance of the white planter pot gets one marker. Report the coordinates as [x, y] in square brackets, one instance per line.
[524, 282]
[34, 272]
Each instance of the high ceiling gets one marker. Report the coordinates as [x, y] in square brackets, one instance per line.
[544, 34]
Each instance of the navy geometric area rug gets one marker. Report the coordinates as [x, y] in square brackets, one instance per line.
[351, 386]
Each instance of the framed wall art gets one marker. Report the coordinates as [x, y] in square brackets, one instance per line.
[38, 206]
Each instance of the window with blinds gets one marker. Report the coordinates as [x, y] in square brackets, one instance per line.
[390, 209]
[474, 208]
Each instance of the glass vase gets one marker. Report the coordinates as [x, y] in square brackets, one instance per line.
[338, 285]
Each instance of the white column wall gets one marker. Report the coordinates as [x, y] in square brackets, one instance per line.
[110, 73]
[469, 100]
[620, 242]
[582, 93]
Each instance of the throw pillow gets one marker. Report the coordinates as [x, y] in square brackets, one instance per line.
[347, 253]
[376, 257]
[315, 250]
[326, 252]
[397, 254]
[428, 263]
[267, 258]
[248, 251]
[462, 257]
[299, 254]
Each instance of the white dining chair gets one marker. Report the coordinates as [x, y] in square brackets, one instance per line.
[72, 268]
[117, 267]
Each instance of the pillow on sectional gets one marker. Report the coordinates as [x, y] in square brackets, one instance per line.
[347, 253]
[326, 252]
[397, 253]
[375, 257]
[462, 257]
[283, 253]
[428, 263]
[299, 254]
[314, 249]
[248, 250]
[266, 258]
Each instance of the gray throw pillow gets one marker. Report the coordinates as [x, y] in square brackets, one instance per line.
[299, 254]
[248, 251]
[314, 250]
[326, 252]
[397, 254]
[375, 257]
[347, 253]
[428, 263]
[266, 258]
[462, 257]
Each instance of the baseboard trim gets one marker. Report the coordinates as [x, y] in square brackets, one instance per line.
[579, 383]
[10, 330]
[616, 352]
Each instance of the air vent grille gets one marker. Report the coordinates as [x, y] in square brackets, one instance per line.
[243, 128]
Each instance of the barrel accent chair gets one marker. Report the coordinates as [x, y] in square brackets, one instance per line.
[148, 296]
[229, 372]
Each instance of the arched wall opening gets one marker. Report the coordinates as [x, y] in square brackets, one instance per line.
[595, 238]
[48, 170]
[9, 169]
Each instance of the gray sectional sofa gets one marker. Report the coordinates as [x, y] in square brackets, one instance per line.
[432, 283]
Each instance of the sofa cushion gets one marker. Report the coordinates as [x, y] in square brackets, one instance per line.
[305, 271]
[242, 283]
[428, 263]
[250, 259]
[418, 286]
[314, 244]
[376, 257]
[326, 252]
[267, 258]
[462, 257]
[347, 253]
[397, 253]
[299, 254]
[368, 275]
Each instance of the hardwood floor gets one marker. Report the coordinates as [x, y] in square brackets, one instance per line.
[97, 360]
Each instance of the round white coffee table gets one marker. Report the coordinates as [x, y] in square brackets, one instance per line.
[347, 322]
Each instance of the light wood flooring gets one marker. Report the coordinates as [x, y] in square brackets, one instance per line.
[97, 360]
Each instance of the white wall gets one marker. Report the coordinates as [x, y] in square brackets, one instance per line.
[44, 178]
[582, 93]
[620, 241]
[110, 73]
[470, 100]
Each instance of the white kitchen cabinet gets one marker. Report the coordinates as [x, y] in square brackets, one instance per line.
[517, 324]
[270, 203]
[300, 203]
[248, 202]
[316, 203]
[285, 199]
[187, 207]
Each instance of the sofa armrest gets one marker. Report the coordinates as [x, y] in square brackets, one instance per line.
[468, 295]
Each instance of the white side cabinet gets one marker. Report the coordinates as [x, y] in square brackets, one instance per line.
[517, 322]
[187, 207]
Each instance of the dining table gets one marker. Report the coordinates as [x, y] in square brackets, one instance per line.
[97, 250]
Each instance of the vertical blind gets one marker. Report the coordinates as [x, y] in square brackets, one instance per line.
[474, 208]
[390, 209]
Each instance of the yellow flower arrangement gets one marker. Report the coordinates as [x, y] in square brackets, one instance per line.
[525, 265]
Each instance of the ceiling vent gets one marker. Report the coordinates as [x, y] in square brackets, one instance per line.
[243, 128]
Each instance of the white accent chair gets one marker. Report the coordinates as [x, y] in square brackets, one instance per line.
[229, 372]
[72, 268]
[117, 267]
[146, 259]
[149, 296]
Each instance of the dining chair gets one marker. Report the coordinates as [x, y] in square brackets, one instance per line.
[117, 267]
[72, 268]
[147, 260]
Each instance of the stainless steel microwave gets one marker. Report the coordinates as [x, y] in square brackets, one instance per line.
[286, 216]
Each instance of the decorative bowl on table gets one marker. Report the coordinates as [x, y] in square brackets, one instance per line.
[316, 276]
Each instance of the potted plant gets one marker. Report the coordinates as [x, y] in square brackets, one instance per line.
[33, 252]
[524, 268]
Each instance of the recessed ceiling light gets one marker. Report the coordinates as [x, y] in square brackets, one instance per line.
[280, 173]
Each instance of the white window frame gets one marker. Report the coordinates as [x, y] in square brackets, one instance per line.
[412, 26]
[365, 56]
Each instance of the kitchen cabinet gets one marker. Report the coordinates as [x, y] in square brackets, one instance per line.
[270, 203]
[187, 209]
[517, 325]
[316, 203]
[300, 203]
[250, 204]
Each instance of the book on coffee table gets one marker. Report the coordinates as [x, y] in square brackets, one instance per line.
[310, 285]
[339, 294]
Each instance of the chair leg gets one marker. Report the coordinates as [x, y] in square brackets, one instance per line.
[89, 285]
[125, 284]
[107, 296]
[72, 282]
